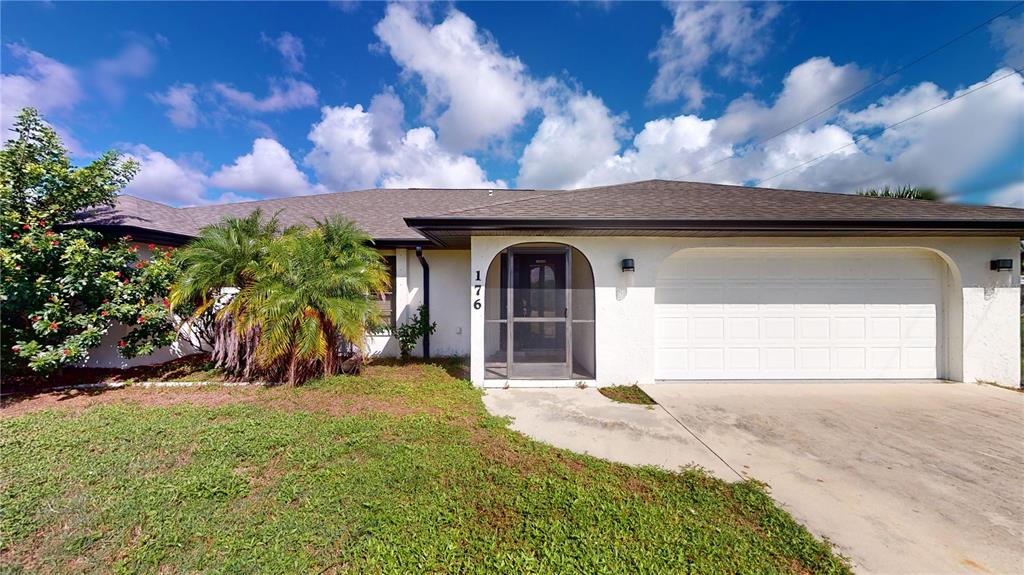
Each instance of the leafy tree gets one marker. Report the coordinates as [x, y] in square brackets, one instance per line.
[904, 192]
[299, 296]
[63, 288]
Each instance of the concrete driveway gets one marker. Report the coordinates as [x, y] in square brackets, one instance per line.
[903, 478]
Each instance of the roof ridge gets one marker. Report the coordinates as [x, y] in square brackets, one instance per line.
[360, 191]
[816, 192]
[545, 194]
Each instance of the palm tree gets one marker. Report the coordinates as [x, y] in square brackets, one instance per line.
[904, 192]
[313, 294]
[221, 260]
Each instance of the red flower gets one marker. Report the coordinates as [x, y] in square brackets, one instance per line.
[67, 352]
[15, 235]
[54, 243]
[103, 313]
[151, 246]
[26, 227]
[140, 265]
[42, 222]
[50, 234]
[54, 325]
[142, 319]
[126, 281]
[16, 348]
[167, 303]
[121, 343]
[36, 318]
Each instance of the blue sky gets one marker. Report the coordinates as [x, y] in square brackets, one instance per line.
[230, 101]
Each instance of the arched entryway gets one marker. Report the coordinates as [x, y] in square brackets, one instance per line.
[539, 316]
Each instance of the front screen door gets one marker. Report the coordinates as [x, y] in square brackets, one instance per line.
[539, 302]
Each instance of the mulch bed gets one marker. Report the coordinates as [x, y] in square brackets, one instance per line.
[71, 376]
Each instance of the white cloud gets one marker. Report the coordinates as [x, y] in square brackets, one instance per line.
[808, 88]
[733, 34]
[569, 140]
[163, 179]
[180, 100]
[291, 49]
[356, 148]
[268, 171]
[1008, 35]
[284, 95]
[43, 83]
[484, 94]
[108, 74]
[1011, 196]
[941, 148]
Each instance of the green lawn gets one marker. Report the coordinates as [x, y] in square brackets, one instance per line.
[626, 394]
[399, 471]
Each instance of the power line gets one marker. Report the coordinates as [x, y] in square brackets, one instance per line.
[883, 130]
[868, 87]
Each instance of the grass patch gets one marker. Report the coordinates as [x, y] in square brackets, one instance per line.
[401, 470]
[626, 394]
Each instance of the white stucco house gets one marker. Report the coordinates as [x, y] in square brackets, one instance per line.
[663, 280]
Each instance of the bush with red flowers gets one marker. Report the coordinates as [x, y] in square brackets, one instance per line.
[63, 288]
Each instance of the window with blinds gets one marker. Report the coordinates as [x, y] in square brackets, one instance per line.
[386, 299]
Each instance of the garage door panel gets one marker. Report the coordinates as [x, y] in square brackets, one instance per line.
[792, 315]
[918, 328]
[813, 328]
[776, 328]
[884, 358]
[884, 328]
[918, 358]
[778, 358]
[848, 327]
[708, 328]
[672, 360]
[814, 358]
[708, 359]
[741, 328]
[742, 358]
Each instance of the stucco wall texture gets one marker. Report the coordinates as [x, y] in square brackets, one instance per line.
[979, 335]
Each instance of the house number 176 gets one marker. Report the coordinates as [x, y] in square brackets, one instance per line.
[476, 288]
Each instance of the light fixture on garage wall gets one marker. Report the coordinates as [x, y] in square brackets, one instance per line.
[628, 265]
[1000, 265]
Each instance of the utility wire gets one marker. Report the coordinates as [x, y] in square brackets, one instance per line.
[868, 87]
[893, 125]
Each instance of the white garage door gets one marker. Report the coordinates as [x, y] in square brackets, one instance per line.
[798, 314]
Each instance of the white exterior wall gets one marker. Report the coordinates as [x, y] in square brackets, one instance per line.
[449, 290]
[980, 331]
[106, 354]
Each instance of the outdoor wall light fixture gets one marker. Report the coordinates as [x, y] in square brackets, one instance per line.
[1000, 265]
[627, 265]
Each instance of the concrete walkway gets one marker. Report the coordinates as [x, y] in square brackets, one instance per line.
[585, 421]
[908, 478]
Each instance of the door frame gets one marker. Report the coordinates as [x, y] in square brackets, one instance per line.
[538, 371]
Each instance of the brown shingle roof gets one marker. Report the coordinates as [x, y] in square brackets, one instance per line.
[383, 213]
[670, 200]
